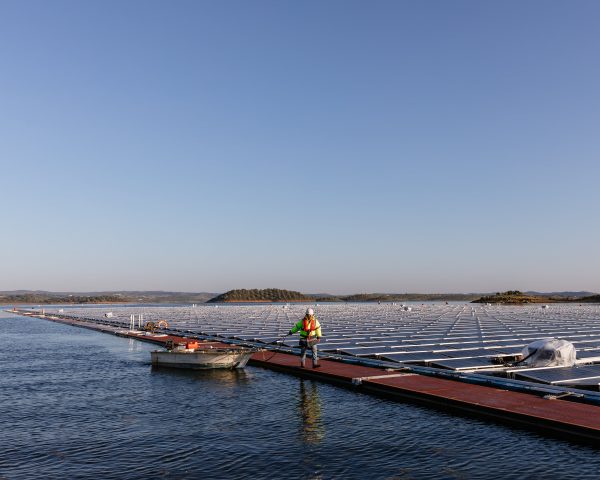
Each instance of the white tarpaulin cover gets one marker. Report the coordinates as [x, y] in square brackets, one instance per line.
[549, 352]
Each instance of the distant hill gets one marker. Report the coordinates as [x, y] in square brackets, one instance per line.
[43, 297]
[515, 297]
[276, 295]
[590, 299]
[410, 297]
[37, 298]
[169, 297]
[327, 298]
[266, 295]
[580, 294]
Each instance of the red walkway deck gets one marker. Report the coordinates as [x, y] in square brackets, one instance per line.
[560, 417]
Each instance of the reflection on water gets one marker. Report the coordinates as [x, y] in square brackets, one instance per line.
[222, 377]
[309, 404]
[136, 346]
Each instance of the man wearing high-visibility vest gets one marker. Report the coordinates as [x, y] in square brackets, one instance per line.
[310, 334]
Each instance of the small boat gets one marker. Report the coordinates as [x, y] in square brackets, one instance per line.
[191, 356]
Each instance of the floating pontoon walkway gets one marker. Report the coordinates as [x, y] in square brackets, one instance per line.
[554, 416]
[551, 415]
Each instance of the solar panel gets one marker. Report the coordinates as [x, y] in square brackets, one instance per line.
[408, 357]
[333, 346]
[472, 352]
[587, 344]
[586, 375]
[588, 356]
[465, 364]
[364, 350]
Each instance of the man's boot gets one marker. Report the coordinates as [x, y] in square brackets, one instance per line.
[316, 364]
[301, 364]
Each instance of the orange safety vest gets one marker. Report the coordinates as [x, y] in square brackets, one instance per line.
[308, 325]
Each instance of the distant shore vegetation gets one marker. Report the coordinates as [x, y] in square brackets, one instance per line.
[274, 295]
[277, 295]
[283, 296]
[46, 298]
[516, 297]
[401, 297]
[75, 299]
[513, 297]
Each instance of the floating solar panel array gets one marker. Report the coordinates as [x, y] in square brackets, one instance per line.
[460, 337]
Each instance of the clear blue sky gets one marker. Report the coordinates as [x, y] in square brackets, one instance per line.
[321, 146]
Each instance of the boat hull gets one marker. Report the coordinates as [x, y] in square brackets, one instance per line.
[201, 360]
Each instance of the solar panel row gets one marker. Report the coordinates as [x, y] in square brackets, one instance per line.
[456, 336]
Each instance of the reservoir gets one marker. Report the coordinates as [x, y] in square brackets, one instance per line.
[81, 404]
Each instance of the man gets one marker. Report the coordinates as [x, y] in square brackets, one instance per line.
[310, 334]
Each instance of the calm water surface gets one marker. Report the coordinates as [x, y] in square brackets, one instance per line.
[81, 404]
